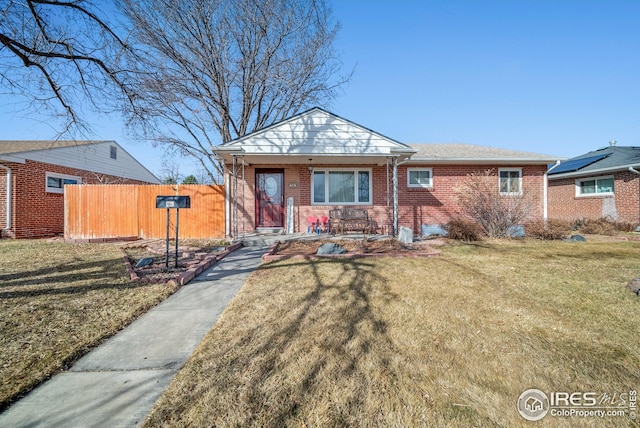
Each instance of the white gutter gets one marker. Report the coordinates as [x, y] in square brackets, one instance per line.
[9, 195]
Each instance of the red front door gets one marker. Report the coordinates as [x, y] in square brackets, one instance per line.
[269, 198]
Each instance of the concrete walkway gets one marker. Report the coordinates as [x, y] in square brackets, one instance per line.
[116, 384]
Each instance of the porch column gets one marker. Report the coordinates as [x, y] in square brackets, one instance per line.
[395, 195]
[235, 198]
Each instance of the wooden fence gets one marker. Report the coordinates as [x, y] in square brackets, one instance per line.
[99, 211]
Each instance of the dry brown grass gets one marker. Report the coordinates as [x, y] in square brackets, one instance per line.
[448, 341]
[56, 302]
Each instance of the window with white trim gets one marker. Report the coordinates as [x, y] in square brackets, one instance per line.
[594, 186]
[341, 186]
[55, 182]
[510, 181]
[113, 152]
[419, 177]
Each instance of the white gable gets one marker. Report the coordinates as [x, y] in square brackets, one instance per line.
[315, 133]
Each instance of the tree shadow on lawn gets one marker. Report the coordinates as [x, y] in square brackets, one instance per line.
[353, 329]
[49, 280]
[324, 355]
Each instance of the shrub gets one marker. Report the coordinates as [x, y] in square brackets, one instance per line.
[605, 226]
[601, 226]
[463, 230]
[547, 230]
[622, 226]
[497, 214]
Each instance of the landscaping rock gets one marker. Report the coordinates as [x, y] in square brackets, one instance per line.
[433, 230]
[516, 231]
[634, 286]
[144, 262]
[576, 238]
[330, 248]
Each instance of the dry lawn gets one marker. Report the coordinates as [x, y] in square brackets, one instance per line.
[56, 302]
[448, 341]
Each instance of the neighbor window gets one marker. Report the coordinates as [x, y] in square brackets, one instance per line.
[419, 177]
[114, 152]
[594, 186]
[342, 187]
[510, 181]
[55, 182]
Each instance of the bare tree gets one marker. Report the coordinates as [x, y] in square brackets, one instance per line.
[481, 200]
[219, 69]
[64, 56]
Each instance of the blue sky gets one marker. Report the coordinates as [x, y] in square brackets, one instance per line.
[558, 77]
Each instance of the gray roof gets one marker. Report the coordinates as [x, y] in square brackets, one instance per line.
[606, 159]
[22, 146]
[470, 153]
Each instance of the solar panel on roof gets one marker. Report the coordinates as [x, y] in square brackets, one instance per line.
[576, 164]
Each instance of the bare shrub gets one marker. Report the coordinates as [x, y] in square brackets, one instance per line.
[605, 226]
[463, 230]
[480, 200]
[600, 226]
[547, 230]
[622, 226]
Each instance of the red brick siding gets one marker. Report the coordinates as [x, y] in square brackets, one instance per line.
[565, 205]
[416, 206]
[37, 213]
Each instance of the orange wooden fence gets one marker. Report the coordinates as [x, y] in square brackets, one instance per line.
[102, 211]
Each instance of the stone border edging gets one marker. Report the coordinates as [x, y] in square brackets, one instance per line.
[270, 255]
[186, 276]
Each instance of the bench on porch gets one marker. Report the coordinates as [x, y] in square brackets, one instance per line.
[343, 220]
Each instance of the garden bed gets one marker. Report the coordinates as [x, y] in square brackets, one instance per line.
[354, 248]
[194, 256]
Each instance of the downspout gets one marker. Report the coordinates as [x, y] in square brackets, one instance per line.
[9, 195]
[635, 171]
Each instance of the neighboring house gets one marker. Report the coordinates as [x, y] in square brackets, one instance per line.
[316, 161]
[33, 175]
[601, 183]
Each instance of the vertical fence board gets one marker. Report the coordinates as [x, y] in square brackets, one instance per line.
[112, 211]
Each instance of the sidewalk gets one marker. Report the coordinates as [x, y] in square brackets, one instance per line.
[117, 383]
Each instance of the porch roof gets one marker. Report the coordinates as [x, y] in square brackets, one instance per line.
[315, 136]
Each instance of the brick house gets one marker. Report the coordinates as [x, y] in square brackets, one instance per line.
[33, 175]
[603, 183]
[316, 161]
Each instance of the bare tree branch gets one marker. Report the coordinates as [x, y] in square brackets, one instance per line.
[216, 70]
[63, 56]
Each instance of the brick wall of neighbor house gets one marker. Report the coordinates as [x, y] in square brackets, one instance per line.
[37, 213]
[565, 205]
[417, 206]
